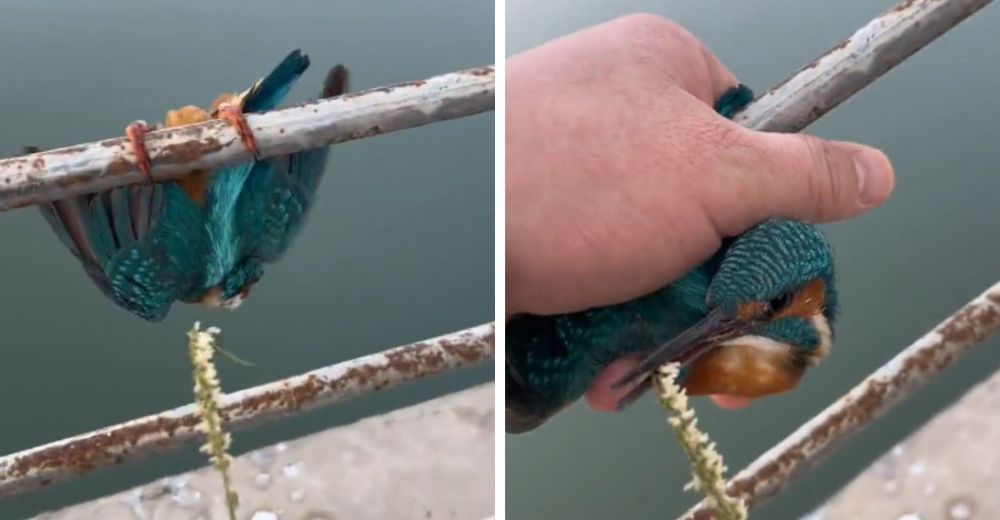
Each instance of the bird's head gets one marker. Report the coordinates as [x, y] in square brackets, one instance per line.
[234, 288]
[770, 312]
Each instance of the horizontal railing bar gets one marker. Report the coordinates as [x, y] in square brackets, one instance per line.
[55, 174]
[123, 442]
[857, 61]
[878, 393]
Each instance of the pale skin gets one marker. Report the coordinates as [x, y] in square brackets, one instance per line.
[620, 176]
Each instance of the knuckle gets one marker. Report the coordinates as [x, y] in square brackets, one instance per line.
[652, 36]
[653, 42]
[645, 22]
[824, 184]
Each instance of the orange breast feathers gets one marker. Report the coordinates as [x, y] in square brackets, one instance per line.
[752, 369]
[195, 183]
[755, 366]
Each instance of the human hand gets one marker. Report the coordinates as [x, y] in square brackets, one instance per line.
[620, 177]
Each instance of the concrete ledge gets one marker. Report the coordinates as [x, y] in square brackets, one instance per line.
[948, 469]
[432, 460]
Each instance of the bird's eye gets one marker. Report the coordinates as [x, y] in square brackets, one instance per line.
[781, 302]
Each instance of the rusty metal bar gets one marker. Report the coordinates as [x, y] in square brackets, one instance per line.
[857, 61]
[55, 174]
[905, 373]
[74, 456]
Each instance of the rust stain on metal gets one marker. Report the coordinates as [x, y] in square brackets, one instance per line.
[772, 477]
[412, 361]
[462, 351]
[362, 134]
[482, 71]
[69, 150]
[968, 325]
[119, 166]
[186, 152]
[90, 452]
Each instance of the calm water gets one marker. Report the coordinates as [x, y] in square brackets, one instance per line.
[399, 246]
[903, 268]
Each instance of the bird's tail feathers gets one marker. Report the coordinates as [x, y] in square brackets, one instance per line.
[336, 83]
[270, 91]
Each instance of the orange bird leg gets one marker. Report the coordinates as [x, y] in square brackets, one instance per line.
[232, 114]
[136, 134]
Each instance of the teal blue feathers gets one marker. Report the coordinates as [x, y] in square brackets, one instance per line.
[762, 263]
[270, 91]
[149, 245]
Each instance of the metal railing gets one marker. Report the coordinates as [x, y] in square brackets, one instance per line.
[789, 107]
[172, 429]
[54, 174]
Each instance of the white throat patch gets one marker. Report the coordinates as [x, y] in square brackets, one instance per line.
[233, 303]
[769, 346]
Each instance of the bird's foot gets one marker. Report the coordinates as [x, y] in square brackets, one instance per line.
[232, 114]
[136, 134]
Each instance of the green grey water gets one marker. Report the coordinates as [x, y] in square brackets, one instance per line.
[398, 248]
[903, 268]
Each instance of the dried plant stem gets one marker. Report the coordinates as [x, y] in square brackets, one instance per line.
[707, 467]
[208, 398]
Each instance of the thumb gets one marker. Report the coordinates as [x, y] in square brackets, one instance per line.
[803, 177]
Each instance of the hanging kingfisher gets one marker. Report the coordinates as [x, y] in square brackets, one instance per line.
[203, 238]
[747, 322]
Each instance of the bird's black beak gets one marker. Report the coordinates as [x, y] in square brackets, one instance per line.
[719, 325]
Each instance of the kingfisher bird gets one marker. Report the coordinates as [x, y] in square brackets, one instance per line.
[747, 322]
[205, 237]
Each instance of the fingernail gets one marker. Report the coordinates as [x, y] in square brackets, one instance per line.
[875, 177]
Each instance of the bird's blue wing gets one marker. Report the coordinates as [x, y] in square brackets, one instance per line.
[270, 91]
[142, 245]
[225, 234]
[228, 184]
[274, 204]
[279, 192]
